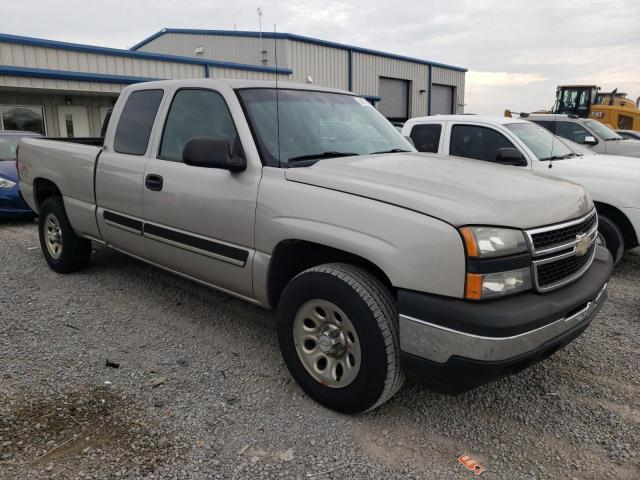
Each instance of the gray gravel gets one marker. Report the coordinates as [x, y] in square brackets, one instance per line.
[201, 390]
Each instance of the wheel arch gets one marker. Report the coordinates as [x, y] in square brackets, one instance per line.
[292, 256]
[44, 188]
[621, 220]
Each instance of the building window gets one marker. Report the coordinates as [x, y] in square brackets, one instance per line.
[22, 117]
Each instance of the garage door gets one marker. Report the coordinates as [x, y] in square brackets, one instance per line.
[441, 100]
[394, 98]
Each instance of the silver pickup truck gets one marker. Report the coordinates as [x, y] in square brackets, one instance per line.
[377, 260]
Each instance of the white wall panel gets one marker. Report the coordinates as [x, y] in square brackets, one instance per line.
[50, 102]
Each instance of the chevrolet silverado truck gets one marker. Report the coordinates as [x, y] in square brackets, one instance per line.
[307, 201]
[611, 180]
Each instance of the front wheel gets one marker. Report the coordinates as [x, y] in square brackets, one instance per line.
[338, 333]
[64, 251]
[610, 236]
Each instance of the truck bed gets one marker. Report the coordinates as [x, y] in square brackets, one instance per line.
[70, 166]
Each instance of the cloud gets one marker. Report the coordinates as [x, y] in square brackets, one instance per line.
[517, 52]
[496, 79]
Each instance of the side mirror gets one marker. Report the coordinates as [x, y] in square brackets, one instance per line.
[211, 153]
[589, 140]
[511, 156]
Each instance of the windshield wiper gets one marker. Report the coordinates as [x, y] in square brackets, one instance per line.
[559, 157]
[393, 150]
[320, 156]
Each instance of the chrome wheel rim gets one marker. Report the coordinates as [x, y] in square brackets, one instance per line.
[53, 235]
[327, 343]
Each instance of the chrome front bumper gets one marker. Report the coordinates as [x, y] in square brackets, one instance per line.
[438, 344]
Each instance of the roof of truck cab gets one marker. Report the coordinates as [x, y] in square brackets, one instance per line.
[238, 84]
[467, 118]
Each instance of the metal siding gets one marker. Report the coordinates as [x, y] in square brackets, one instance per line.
[327, 66]
[445, 76]
[367, 69]
[50, 102]
[219, 47]
[66, 60]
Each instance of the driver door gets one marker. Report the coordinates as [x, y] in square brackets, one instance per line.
[199, 221]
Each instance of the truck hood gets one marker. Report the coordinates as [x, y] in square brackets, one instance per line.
[623, 147]
[608, 178]
[456, 190]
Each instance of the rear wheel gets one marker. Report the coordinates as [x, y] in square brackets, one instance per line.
[610, 236]
[64, 251]
[338, 333]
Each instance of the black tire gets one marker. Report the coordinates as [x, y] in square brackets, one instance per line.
[611, 237]
[74, 252]
[371, 310]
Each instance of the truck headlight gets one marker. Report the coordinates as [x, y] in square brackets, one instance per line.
[481, 286]
[486, 242]
[495, 264]
[5, 183]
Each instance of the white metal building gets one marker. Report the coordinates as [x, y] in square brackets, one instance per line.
[402, 87]
[66, 89]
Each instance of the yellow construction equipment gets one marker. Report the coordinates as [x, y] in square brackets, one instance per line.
[587, 101]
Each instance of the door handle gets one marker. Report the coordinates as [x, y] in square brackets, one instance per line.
[153, 182]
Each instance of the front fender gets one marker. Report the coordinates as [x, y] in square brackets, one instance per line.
[415, 251]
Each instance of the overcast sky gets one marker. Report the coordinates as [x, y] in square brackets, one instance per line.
[517, 52]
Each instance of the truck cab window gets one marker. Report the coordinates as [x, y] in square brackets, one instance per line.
[136, 122]
[481, 143]
[571, 131]
[426, 137]
[197, 113]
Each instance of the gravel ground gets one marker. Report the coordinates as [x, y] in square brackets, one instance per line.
[201, 390]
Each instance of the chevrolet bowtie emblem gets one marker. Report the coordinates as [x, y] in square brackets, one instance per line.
[583, 244]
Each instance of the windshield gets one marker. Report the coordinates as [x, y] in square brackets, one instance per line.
[602, 130]
[316, 125]
[8, 146]
[541, 142]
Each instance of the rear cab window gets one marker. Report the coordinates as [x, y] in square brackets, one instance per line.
[136, 121]
[426, 137]
[480, 143]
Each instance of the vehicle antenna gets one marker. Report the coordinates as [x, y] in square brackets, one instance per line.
[275, 59]
[553, 140]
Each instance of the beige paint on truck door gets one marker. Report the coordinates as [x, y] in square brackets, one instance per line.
[201, 222]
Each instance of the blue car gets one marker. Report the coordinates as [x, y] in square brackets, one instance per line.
[11, 203]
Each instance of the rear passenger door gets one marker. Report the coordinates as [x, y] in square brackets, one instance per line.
[427, 137]
[120, 172]
[475, 141]
[199, 221]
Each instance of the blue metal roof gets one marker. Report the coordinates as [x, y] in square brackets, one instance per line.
[77, 47]
[299, 38]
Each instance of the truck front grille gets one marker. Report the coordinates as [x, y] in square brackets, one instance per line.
[549, 238]
[563, 253]
[552, 273]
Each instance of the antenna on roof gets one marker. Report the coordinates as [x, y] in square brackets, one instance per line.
[275, 58]
[263, 52]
